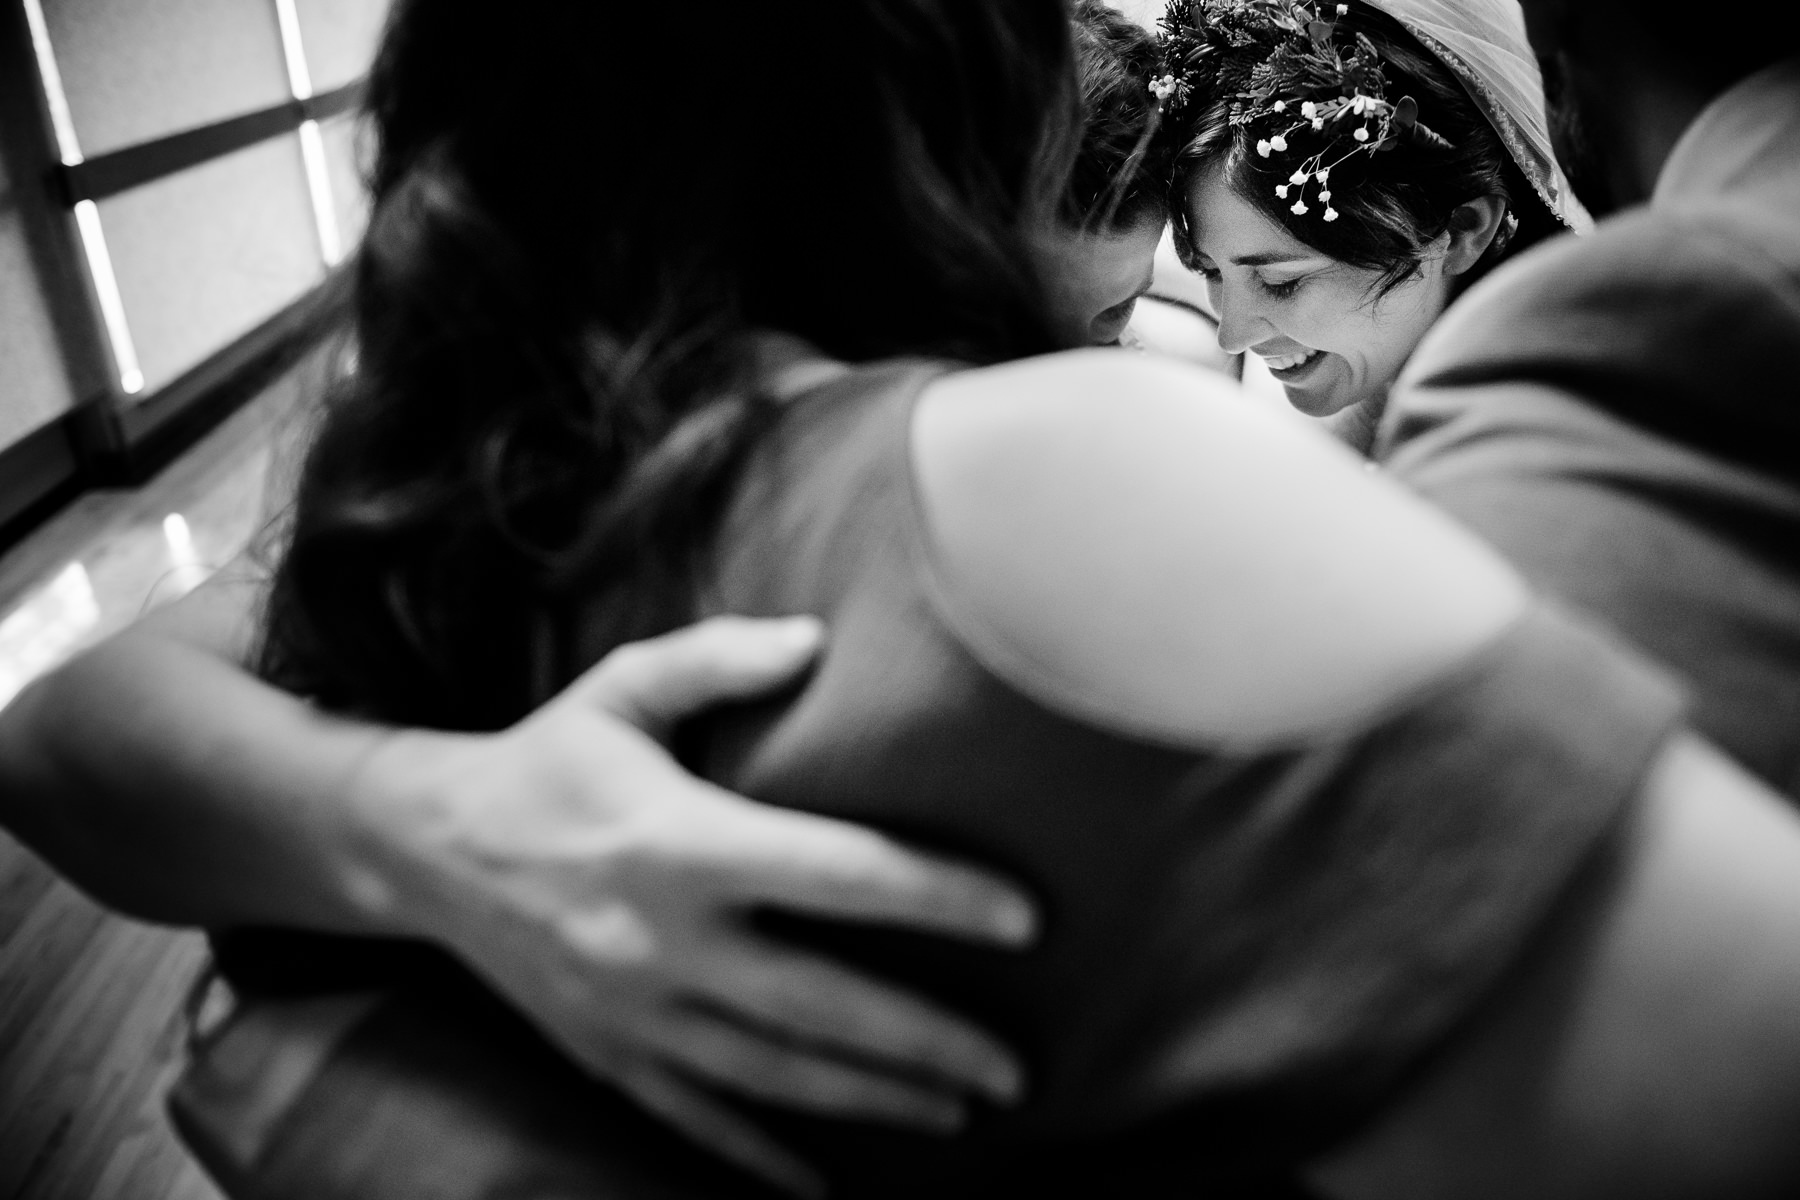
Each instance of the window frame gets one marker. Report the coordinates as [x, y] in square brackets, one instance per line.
[112, 436]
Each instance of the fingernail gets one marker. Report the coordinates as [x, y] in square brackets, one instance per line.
[1015, 921]
[800, 631]
[1004, 1082]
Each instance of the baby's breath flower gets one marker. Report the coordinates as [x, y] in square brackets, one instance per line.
[1313, 63]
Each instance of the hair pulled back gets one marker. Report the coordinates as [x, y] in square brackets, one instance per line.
[581, 212]
[1390, 204]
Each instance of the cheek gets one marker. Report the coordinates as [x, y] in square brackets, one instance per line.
[1071, 313]
[1399, 325]
[1323, 319]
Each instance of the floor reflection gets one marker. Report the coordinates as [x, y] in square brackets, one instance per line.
[113, 556]
[47, 628]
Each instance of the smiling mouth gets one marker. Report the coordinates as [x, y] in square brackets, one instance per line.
[1287, 362]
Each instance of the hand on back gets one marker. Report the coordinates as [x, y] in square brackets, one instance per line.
[602, 889]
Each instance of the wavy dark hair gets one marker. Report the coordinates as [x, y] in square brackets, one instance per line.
[1390, 205]
[1121, 171]
[582, 212]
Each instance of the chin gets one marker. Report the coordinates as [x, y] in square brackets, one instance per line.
[1316, 405]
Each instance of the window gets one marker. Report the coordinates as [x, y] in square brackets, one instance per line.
[208, 158]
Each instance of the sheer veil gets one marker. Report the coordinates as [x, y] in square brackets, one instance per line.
[1483, 42]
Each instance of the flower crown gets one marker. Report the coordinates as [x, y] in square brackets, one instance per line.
[1288, 70]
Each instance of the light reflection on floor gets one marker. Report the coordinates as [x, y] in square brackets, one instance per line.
[113, 556]
[130, 572]
[46, 629]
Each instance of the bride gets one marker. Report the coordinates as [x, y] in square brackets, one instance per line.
[1317, 799]
[1361, 181]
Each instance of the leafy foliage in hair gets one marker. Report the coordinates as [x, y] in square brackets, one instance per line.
[1266, 53]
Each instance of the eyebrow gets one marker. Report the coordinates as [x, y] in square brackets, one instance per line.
[1270, 260]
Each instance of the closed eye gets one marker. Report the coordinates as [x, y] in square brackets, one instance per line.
[1275, 290]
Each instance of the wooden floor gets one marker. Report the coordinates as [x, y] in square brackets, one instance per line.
[90, 1037]
[91, 1025]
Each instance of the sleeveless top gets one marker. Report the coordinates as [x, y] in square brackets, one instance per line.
[1244, 950]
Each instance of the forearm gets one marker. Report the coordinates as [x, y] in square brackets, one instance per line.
[168, 782]
[568, 860]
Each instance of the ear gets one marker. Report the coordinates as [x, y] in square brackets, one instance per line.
[1473, 228]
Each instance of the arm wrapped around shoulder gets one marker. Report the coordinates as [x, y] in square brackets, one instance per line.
[1247, 953]
[1389, 880]
[1297, 769]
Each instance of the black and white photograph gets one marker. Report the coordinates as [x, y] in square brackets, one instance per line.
[899, 600]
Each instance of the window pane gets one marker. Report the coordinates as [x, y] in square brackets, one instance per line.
[138, 69]
[206, 255]
[33, 385]
[343, 147]
[340, 37]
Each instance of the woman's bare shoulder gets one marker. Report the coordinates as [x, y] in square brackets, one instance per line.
[1130, 539]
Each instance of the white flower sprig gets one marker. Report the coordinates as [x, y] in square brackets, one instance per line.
[1303, 71]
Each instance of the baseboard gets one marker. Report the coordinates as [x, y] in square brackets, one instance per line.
[39, 474]
[47, 468]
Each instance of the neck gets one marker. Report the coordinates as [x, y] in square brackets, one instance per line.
[1355, 426]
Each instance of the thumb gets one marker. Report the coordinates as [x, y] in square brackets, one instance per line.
[656, 683]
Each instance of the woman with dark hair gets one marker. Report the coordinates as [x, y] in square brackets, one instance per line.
[1099, 258]
[1343, 172]
[1099, 262]
[1288, 865]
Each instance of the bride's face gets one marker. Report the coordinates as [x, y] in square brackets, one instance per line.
[1326, 333]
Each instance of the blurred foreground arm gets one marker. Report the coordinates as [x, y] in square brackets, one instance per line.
[1651, 1048]
[568, 860]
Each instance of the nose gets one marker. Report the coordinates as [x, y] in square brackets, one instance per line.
[1241, 323]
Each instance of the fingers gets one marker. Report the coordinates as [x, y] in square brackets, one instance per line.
[713, 1126]
[752, 1064]
[813, 1000]
[654, 684]
[835, 869]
